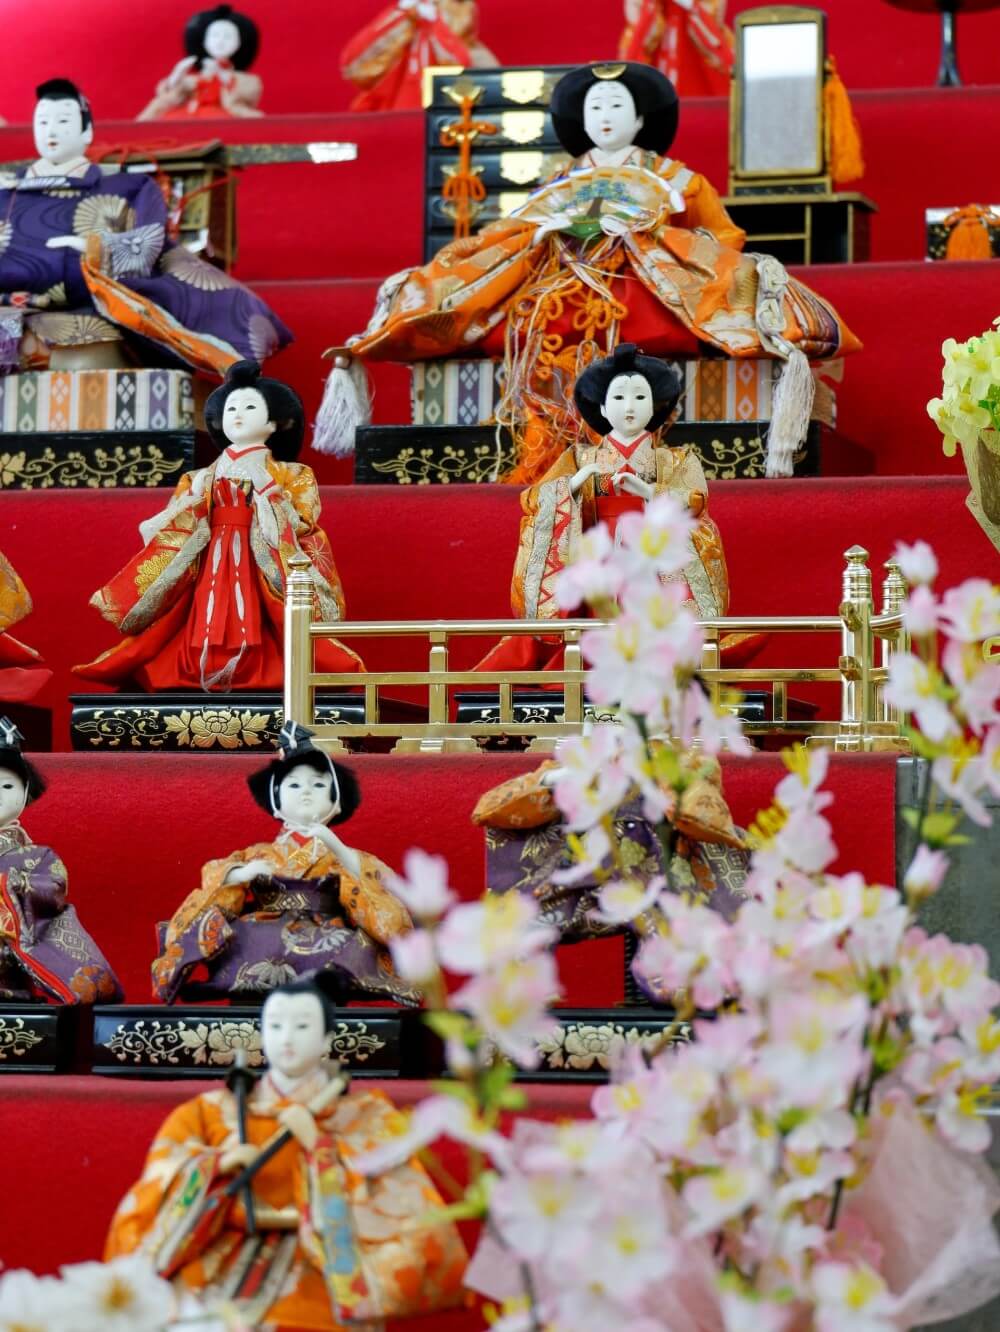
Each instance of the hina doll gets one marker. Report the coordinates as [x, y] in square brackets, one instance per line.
[527, 846]
[76, 241]
[21, 672]
[687, 39]
[201, 606]
[305, 902]
[627, 244]
[297, 1239]
[625, 400]
[45, 953]
[213, 79]
[387, 58]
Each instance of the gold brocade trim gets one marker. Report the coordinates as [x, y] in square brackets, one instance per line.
[223, 727]
[136, 465]
[178, 1043]
[424, 467]
[169, 728]
[584, 1047]
[16, 1039]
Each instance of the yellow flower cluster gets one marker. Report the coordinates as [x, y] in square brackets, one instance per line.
[970, 402]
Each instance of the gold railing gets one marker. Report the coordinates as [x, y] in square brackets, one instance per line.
[866, 642]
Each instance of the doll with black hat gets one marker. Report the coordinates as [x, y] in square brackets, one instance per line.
[46, 956]
[302, 903]
[625, 244]
[214, 78]
[323, 1245]
[202, 605]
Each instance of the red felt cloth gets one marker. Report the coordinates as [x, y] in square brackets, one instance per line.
[135, 830]
[902, 312]
[118, 59]
[447, 551]
[74, 1145]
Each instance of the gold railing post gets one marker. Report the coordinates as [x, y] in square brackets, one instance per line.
[894, 590]
[856, 704]
[298, 693]
[437, 694]
[572, 691]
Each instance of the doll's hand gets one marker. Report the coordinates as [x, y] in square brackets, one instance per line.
[557, 223]
[298, 1121]
[66, 243]
[253, 869]
[577, 481]
[182, 68]
[632, 485]
[238, 1157]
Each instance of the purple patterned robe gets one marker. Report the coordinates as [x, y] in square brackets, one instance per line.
[128, 213]
[45, 953]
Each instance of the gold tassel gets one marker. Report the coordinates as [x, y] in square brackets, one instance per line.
[969, 234]
[843, 135]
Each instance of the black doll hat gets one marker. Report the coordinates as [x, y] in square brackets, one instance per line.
[654, 95]
[13, 760]
[295, 746]
[591, 388]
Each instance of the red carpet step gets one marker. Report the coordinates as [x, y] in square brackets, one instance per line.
[119, 61]
[436, 552]
[901, 311]
[134, 831]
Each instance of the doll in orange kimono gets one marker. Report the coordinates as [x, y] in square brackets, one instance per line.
[303, 1243]
[213, 80]
[627, 244]
[304, 903]
[387, 58]
[687, 39]
[202, 605]
[625, 400]
[21, 672]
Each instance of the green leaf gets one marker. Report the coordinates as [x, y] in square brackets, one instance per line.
[459, 1090]
[938, 827]
[911, 816]
[449, 1026]
[513, 1098]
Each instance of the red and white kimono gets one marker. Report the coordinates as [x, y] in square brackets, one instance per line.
[687, 40]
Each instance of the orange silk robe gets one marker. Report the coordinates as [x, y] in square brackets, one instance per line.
[555, 519]
[17, 684]
[673, 279]
[152, 599]
[368, 905]
[332, 1245]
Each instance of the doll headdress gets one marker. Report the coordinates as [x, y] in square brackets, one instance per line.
[12, 758]
[284, 408]
[654, 95]
[591, 388]
[295, 746]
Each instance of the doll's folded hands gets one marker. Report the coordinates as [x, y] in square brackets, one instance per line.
[238, 1157]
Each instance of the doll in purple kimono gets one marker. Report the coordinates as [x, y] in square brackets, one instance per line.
[45, 953]
[77, 241]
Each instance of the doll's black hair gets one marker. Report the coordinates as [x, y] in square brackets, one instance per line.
[65, 90]
[13, 760]
[264, 783]
[284, 408]
[330, 988]
[198, 24]
[591, 388]
[654, 95]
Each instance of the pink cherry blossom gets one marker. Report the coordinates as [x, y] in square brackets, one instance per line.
[435, 1117]
[990, 766]
[971, 611]
[424, 888]
[414, 957]
[510, 1003]
[656, 541]
[630, 664]
[926, 872]
[915, 688]
[594, 575]
[917, 563]
[544, 1214]
[920, 612]
[744, 1312]
[477, 935]
[852, 1297]
[622, 900]
[718, 1197]
[591, 780]
[963, 778]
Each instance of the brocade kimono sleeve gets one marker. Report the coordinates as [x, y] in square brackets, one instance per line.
[15, 600]
[377, 47]
[135, 251]
[522, 802]
[370, 905]
[302, 502]
[704, 208]
[679, 472]
[553, 519]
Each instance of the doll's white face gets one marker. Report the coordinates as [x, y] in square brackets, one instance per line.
[59, 133]
[305, 796]
[244, 418]
[12, 797]
[293, 1034]
[222, 39]
[629, 405]
[609, 115]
